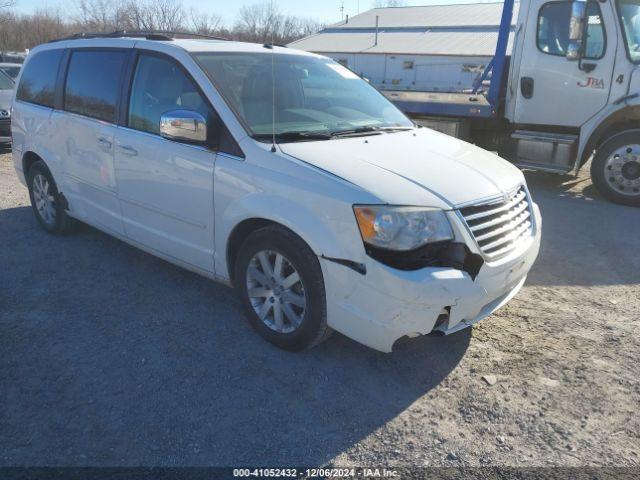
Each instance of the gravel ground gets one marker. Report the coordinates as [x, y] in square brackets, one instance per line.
[111, 357]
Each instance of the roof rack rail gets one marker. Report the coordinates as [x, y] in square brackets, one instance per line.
[161, 35]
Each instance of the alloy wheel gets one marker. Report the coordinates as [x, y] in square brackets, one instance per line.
[44, 199]
[276, 291]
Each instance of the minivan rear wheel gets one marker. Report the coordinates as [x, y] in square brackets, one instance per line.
[281, 287]
[46, 201]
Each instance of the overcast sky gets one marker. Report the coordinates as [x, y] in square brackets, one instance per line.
[326, 11]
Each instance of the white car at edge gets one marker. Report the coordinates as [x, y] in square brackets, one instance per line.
[352, 220]
[6, 94]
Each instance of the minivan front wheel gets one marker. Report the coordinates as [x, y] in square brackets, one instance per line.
[46, 201]
[281, 287]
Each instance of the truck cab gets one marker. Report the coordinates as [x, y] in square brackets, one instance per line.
[569, 91]
[573, 91]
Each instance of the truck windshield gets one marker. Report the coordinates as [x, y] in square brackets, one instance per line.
[5, 82]
[629, 11]
[315, 98]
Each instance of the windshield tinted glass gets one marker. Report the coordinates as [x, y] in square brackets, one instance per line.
[11, 71]
[312, 94]
[5, 82]
[629, 11]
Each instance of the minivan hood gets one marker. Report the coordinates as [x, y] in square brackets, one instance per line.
[417, 167]
[5, 99]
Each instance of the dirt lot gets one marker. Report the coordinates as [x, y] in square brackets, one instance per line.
[109, 356]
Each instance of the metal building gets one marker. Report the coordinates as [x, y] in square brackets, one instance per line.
[432, 48]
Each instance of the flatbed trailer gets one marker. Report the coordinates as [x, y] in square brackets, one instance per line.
[462, 105]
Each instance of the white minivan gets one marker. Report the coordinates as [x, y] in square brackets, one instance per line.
[276, 171]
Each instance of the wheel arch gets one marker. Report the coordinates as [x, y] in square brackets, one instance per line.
[239, 233]
[618, 122]
[324, 234]
[29, 158]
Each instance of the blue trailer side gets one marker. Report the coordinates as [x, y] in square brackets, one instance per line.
[466, 105]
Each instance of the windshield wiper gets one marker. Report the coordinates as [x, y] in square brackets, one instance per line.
[293, 136]
[368, 129]
[395, 129]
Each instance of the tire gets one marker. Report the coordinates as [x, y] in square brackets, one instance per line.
[615, 168]
[295, 327]
[52, 215]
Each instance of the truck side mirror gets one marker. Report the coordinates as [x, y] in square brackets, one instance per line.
[576, 29]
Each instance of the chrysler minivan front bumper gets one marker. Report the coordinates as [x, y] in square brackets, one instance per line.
[385, 304]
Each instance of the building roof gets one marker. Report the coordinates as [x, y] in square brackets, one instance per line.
[459, 43]
[461, 15]
[470, 30]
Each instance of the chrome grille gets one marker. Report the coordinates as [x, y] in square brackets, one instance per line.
[499, 227]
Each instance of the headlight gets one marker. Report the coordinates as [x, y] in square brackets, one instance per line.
[402, 228]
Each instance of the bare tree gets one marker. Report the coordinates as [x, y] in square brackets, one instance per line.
[205, 24]
[255, 23]
[263, 22]
[24, 31]
[103, 15]
[156, 15]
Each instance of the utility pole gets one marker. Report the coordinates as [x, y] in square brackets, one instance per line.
[342, 11]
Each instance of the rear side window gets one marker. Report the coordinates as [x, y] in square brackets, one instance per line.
[38, 82]
[93, 83]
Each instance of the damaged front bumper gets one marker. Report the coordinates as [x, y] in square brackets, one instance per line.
[385, 304]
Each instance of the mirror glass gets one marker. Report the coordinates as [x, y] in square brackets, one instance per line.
[183, 126]
[576, 29]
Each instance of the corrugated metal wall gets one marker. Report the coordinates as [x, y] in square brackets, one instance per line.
[434, 73]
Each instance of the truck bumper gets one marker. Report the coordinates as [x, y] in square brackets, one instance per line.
[385, 304]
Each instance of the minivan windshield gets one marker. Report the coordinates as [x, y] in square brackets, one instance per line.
[5, 82]
[629, 11]
[315, 97]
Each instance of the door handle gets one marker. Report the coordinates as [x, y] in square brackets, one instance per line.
[587, 67]
[105, 143]
[526, 87]
[127, 150]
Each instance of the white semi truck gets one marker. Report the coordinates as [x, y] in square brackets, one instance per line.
[569, 91]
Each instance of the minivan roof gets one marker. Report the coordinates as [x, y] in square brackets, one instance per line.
[211, 44]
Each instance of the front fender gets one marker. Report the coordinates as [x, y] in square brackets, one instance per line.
[312, 204]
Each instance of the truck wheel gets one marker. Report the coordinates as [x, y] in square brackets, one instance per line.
[46, 201]
[281, 288]
[615, 169]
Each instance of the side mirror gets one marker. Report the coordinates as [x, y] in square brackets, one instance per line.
[576, 29]
[183, 126]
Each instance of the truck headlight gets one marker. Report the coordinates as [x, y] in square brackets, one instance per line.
[402, 228]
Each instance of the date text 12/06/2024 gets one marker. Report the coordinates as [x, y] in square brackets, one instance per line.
[315, 473]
